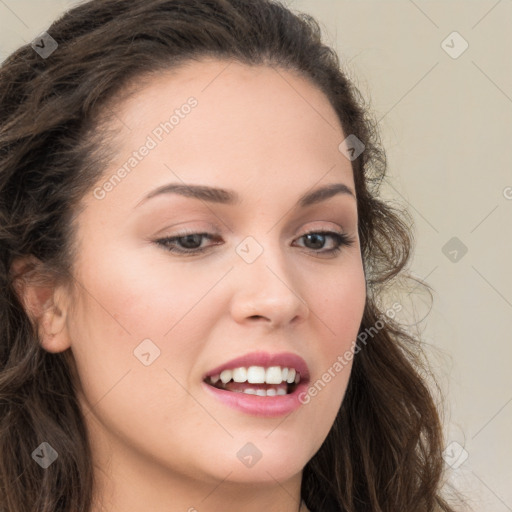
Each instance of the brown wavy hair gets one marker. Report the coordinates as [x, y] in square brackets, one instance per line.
[384, 451]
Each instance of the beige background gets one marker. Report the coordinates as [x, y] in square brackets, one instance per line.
[446, 124]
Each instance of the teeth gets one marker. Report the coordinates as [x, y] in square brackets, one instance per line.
[240, 374]
[258, 375]
[263, 392]
[273, 375]
[290, 378]
[225, 376]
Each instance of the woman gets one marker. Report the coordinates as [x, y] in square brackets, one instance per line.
[193, 256]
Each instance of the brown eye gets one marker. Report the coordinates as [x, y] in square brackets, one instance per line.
[318, 238]
[189, 243]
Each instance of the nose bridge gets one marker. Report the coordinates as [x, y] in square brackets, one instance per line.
[266, 285]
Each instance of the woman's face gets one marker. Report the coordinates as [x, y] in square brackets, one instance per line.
[149, 324]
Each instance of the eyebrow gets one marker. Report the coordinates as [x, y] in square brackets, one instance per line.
[230, 197]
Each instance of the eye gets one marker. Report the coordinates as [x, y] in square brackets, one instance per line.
[188, 243]
[189, 239]
[340, 240]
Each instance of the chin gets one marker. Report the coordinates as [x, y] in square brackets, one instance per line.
[265, 466]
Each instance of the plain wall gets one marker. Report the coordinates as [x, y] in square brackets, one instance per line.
[446, 125]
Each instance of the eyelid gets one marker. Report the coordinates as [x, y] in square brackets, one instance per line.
[175, 230]
[212, 229]
[341, 239]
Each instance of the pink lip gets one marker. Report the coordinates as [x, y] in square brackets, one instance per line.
[265, 359]
[263, 406]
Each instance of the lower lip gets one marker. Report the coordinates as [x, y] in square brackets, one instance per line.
[265, 406]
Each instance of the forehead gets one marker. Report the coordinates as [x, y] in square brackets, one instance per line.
[260, 125]
[231, 95]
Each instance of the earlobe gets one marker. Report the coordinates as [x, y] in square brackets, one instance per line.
[44, 304]
[52, 327]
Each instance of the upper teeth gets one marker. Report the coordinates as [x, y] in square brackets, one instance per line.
[258, 375]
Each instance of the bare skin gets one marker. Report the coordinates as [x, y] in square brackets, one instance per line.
[160, 442]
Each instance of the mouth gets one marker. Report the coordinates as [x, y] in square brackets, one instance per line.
[275, 381]
[257, 380]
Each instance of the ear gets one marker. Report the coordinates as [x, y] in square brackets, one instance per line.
[45, 303]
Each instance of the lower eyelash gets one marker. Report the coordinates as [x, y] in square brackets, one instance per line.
[174, 249]
[342, 239]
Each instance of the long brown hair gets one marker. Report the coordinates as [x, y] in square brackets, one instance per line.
[384, 451]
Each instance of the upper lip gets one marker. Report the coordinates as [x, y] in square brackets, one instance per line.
[265, 359]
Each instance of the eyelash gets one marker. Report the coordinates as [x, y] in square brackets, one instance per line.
[341, 239]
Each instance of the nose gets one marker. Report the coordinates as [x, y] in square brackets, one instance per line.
[267, 291]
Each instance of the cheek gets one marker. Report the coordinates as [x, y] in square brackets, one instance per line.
[133, 295]
[338, 304]
[114, 332]
[131, 313]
